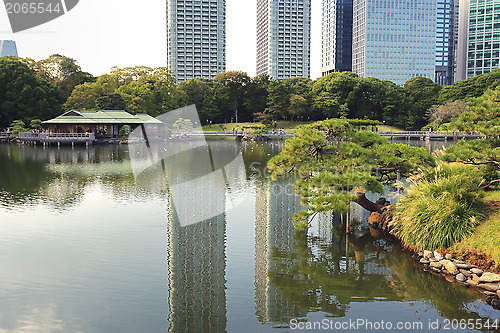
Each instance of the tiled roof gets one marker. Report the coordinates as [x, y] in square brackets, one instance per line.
[102, 117]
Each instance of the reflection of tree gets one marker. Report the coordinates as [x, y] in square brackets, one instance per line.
[319, 277]
[20, 177]
[450, 299]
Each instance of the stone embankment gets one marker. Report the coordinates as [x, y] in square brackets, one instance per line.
[453, 270]
[462, 272]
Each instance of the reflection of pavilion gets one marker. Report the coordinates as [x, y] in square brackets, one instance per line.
[196, 264]
[275, 205]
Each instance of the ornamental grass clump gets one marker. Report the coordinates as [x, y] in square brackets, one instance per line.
[442, 207]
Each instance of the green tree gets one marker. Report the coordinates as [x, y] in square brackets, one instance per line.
[331, 160]
[483, 115]
[230, 90]
[16, 127]
[470, 88]
[111, 102]
[24, 96]
[36, 124]
[200, 93]
[144, 90]
[61, 71]
[423, 91]
[278, 102]
[298, 106]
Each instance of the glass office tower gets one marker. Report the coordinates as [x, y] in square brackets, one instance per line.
[484, 37]
[196, 38]
[446, 41]
[394, 40]
[283, 38]
[8, 48]
[336, 36]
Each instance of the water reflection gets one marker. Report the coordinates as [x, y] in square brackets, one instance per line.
[84, 245]
[196, 265]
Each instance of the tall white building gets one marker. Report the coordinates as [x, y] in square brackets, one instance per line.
[8, 48]
[196, 38]
[283, 38]
[394, 40]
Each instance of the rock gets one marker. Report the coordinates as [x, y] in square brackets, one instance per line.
[476, 271]
[424, 261]
[471, 283]
[438, 256]
[465, 272]
[489, 277]
[498, 293]
[463, 266]
[448, 256]
[461, 278]
[444, 262]
[475, 278]
[436, 264]
[451, 268]
[489, 293]
[374, 218]
[433, 259]
[489, 286]
[428, 254]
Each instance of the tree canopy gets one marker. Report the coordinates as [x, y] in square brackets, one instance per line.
[330, 160]
[23, 95]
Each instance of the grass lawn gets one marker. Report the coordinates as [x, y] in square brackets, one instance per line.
[386, 128]
[486, 238]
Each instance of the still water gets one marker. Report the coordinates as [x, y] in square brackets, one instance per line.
[84, 247]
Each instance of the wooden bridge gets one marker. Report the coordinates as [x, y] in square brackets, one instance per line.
[391, 134]
[430, 135]
[4, 136]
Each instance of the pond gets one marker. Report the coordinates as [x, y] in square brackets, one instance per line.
[87, 246]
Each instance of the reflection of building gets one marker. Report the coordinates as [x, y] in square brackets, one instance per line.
[196, 38]
[196, 264]
[394, 40]
[8, 48]
[274, 231]
[283, 38]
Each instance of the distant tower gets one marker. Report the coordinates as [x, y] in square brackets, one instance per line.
[8, 48]
[283, 38]
[336, 36]
[483, 38]
[196, 38]
[446, 41]
[394, 40]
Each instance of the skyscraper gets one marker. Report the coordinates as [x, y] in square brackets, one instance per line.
[463, 40]
[283, 38]
[394, 40]
[484, 37]
[196, 38]
[336, 36]
[446, 41]
[8, 48]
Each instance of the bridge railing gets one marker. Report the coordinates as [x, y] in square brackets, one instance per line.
[45, 136]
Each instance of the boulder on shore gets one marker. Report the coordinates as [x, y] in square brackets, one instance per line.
[489, 277]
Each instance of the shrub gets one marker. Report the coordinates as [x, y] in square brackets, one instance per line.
[442, 207]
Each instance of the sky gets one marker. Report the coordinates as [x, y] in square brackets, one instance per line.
[102, 34]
